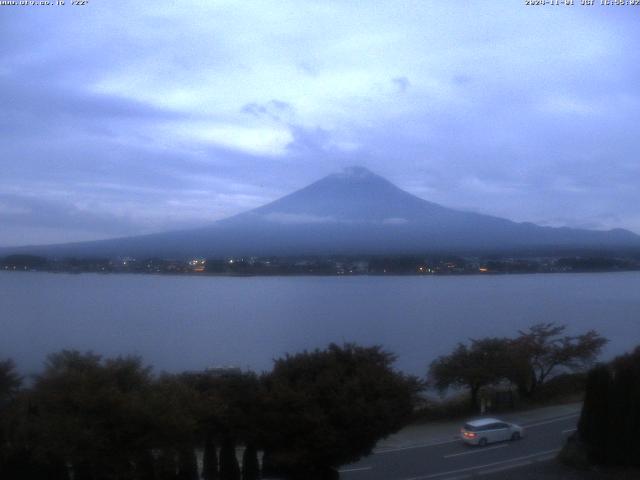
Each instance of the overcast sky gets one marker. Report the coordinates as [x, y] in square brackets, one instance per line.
[130, 117]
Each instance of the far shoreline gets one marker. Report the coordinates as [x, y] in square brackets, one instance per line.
[312, 275]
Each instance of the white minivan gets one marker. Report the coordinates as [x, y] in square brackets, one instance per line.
[488, 430]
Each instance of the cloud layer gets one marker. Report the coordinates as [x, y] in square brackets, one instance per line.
[128, 118]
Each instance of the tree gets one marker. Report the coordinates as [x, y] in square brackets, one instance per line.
[228, 413]
[484, 362]
[171, 414]
[329, 407]
[91, 412]
[625, 401]
[10, 381]
[210, 458]
[542, 349]
[269, 468]
[594, 417]
[109, 418]
[610, 418]
[229, 468]
[10, 456]
[187, 463]
[250, 466]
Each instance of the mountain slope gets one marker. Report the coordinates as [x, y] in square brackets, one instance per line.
[351, 212]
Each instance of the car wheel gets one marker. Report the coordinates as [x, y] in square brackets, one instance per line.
[515, 436]
[482, 442]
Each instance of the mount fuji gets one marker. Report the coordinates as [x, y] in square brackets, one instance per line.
[351, 212]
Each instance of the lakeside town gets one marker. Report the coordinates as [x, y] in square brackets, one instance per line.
[325, 265]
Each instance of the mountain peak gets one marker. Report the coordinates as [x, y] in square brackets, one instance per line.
[355, 171]
[354, 177]
[353, 195]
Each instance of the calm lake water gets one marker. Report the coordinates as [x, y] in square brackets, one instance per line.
[178, 323]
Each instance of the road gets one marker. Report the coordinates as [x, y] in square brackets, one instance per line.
[451, 459]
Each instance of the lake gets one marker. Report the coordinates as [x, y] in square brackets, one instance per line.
[187, 322]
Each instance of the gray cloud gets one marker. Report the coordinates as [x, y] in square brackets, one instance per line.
[276, 110]
[402, 83]
[297, 218]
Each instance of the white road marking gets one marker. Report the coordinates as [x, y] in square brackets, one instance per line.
[479, 467]
[569, 430]
[559, 419]
[421, 445]
[359, 469]
[476, 450]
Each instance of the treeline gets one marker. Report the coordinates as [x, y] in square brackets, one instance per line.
[610, 420]
[324, 265]
[527, 361]
[91, 418]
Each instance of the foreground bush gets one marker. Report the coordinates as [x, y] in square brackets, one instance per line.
[328, 408]
[610, 419]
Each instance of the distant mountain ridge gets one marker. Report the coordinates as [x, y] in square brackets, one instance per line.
[351, 212]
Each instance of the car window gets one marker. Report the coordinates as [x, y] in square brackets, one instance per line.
[469, 427]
